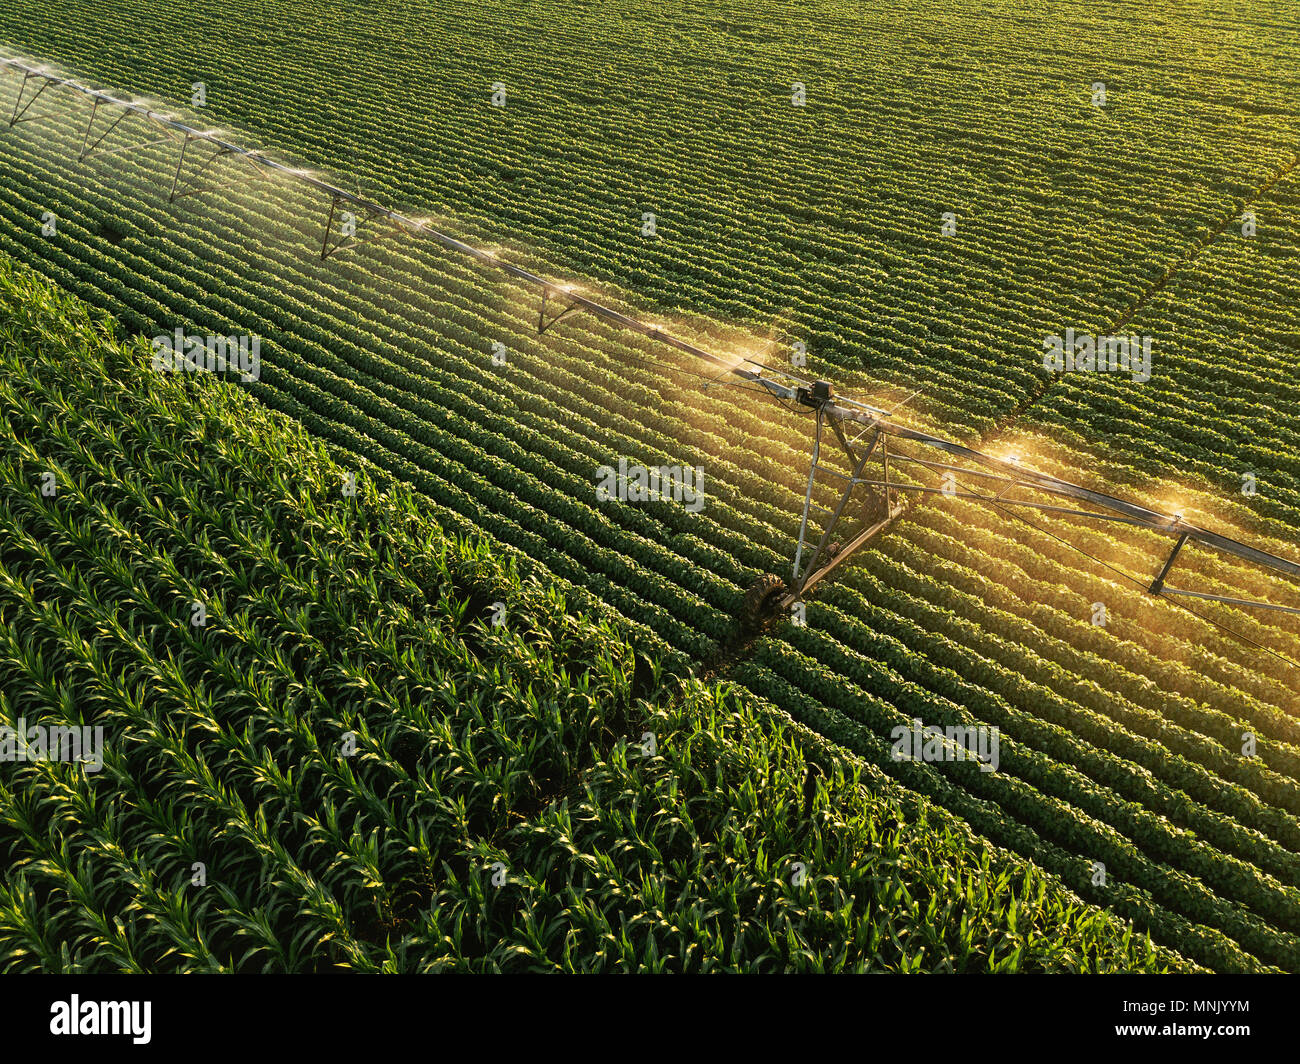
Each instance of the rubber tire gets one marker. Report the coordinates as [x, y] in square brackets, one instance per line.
[760, 600]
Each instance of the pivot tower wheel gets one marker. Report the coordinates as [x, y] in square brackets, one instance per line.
[761, 600]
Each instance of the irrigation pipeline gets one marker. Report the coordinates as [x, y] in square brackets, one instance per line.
[779, 384]
[342, 196]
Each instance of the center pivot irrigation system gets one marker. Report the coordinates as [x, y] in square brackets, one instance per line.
[868, 464]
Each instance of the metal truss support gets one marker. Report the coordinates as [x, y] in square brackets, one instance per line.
[1252, 603]
[86, 146]
[1158, 584]
[91, 149]
[20, 108]
[543, 324]
[180, 162]
[325, 250]
[329, 247]
[1159, 587]
[17, 116]
[866, 505]
[191, 188]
